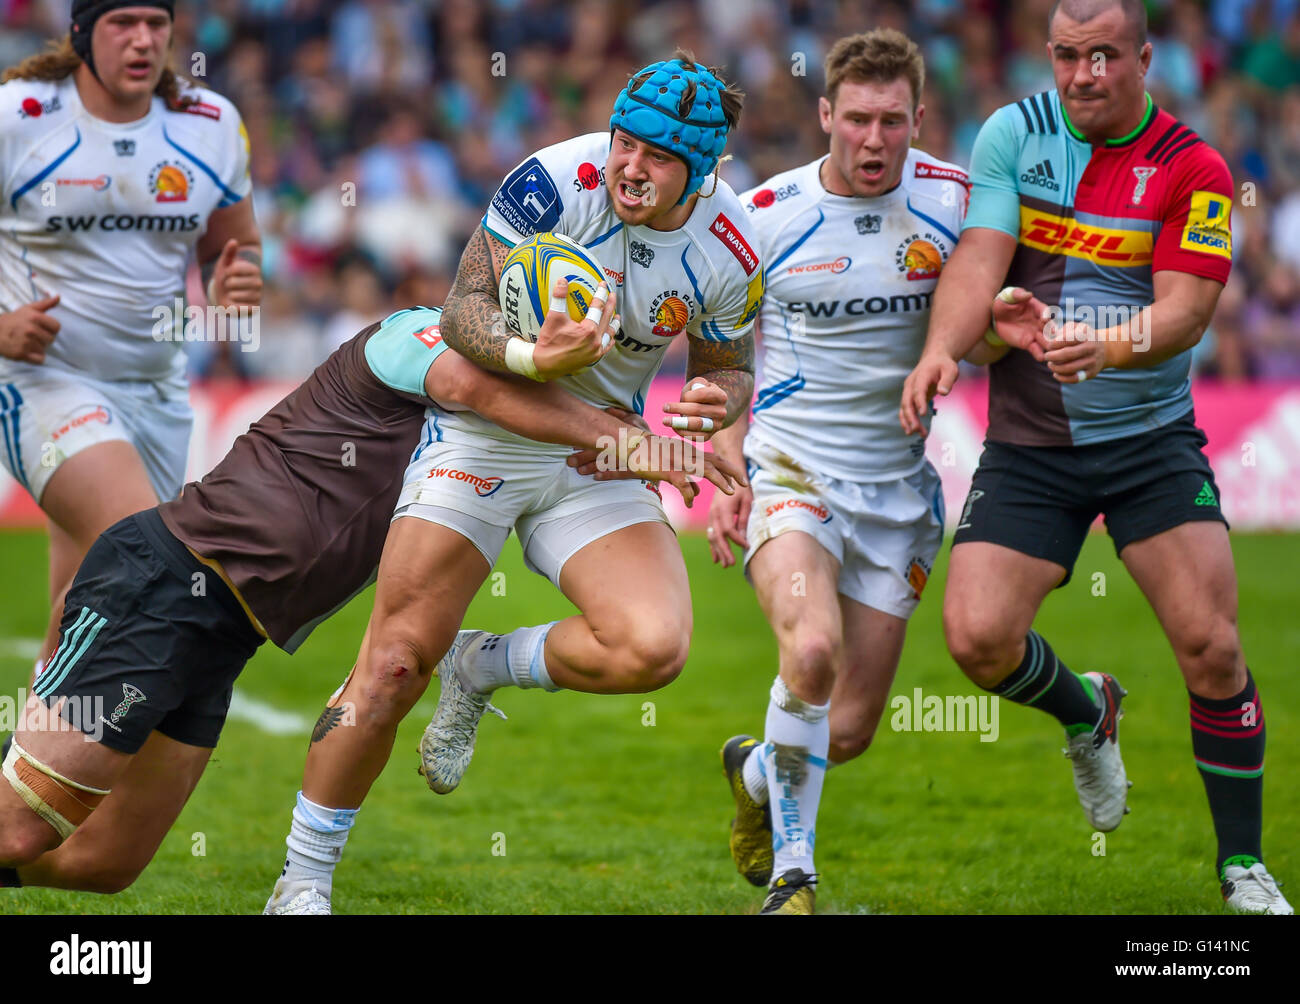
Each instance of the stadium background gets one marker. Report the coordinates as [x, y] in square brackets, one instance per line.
[423, 107]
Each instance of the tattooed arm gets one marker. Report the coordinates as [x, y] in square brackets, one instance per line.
[473, 325]
[726, 370]
[472, 322]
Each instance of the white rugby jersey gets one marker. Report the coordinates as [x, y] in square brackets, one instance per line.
[704, 278]
[107, 214]
[849, 283]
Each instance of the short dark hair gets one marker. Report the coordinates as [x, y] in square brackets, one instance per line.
[1135, 14]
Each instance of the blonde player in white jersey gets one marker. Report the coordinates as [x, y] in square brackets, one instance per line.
[680, 257]
[113, 173]
[845, 516]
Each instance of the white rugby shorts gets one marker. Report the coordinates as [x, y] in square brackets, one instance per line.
[885, 535]
[482, 489]
[48, 415]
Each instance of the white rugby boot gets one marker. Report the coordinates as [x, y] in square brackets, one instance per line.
[448, 742]
[1253, 890]
[1099, 776]
[304, 903]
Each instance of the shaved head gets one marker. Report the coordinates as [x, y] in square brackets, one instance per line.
[1081, 11]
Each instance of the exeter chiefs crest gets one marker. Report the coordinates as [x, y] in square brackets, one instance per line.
[170, 181]
[670, 312]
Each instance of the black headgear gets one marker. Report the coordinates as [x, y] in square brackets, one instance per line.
[86, 12]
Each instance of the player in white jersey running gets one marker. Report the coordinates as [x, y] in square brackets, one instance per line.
[113, 173]
[844, 516]
[679, 258]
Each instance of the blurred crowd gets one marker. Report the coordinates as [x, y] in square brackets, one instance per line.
[380, 128]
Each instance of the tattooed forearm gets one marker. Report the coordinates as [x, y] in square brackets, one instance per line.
[329, 718]
[472, 322]
[728, 364]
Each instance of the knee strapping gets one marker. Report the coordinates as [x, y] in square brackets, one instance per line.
[60, 801]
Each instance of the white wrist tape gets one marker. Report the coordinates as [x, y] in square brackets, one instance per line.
[519, 358]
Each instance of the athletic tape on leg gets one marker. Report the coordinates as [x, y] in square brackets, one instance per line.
[48, 793]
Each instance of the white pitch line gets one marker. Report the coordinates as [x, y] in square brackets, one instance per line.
[20, 648]
[267, 717]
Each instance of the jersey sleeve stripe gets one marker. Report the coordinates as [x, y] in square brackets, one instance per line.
[1029, 123]
[932, 221]
[37, 179]
[821, 218]
[1042, 126]
[228, 198]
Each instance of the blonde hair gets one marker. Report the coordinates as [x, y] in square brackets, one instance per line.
[880, 56]
[58, 60]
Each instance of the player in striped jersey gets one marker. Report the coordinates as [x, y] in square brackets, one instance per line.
[1115, 214]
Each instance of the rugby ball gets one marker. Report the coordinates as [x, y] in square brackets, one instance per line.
[532, 268]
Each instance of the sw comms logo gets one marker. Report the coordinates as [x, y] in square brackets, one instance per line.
[482, 486]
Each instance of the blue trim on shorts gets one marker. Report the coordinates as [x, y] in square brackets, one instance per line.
[228, 197]
[13, 445]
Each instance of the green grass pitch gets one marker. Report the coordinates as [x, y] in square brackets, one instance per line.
[598, 811]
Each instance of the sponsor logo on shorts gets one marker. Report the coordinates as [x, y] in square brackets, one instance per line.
[130, 696]
[918, 574]
[921, 256]
[99, 184]
[724, 230]
[820, 511]
[841, 264]
[975, 495]
[170, 181]
[483, 486]
[98, 413]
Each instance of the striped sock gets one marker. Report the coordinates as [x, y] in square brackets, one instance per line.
[1228, 744]
[1042, 681]
[798, 738]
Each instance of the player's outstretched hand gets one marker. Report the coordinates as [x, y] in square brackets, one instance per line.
[1076, 354]
[27, 332]
[700, 413]
[656, 458]
[565, 346]
[934, 374]
[728, 518]
[1022, 320]
[236, 281]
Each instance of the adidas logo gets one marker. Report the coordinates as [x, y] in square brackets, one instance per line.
[1206, 496]
[1042, 175]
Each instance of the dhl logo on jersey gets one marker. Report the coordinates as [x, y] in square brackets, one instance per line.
[1066, 235]
[1207, 227]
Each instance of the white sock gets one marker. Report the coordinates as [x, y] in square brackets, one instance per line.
[797, 741]
[754, 774]
[517, 659]
[315, 844]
